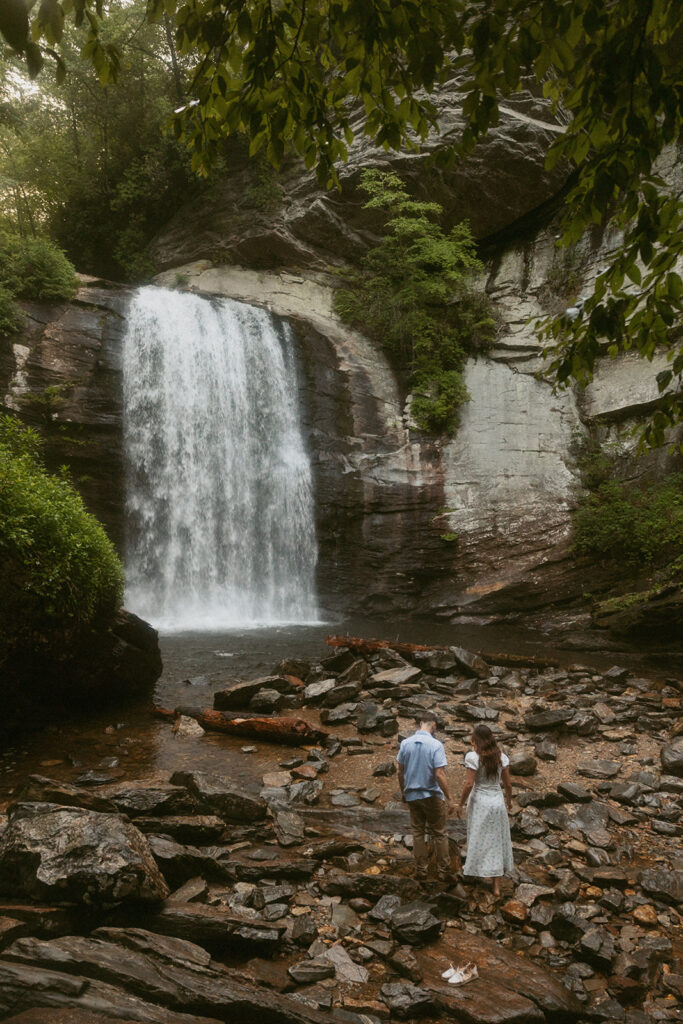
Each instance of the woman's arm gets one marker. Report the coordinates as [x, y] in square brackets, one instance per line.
[507, 786]
[466, 789]
[440, 775]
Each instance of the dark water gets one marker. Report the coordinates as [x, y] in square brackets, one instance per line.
[132, 743]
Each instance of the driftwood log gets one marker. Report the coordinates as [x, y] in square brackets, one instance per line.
[369, 645]
[289, 731]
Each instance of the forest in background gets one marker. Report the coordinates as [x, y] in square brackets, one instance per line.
[94, 168]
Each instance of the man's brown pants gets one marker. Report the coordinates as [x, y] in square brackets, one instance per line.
[428, 819]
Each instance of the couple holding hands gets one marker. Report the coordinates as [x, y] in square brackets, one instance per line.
[424, 788]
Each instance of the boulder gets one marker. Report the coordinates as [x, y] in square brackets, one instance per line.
[218, 793]
[394, 677]
[671, 756]
[39, 789]
[599, 768]
[553, 718]
[415, 923]
[72, 854]
[150, 798]
[314, 693]
[663, 885]
[406, 1000]
[522, 763]
[238, 693]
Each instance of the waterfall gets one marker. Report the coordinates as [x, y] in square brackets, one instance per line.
[219, 507]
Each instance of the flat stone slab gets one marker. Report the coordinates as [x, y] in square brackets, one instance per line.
[509, 989]
[75, 855]
[599, 768]
[238, 693]
[220, 794]
[395, 676]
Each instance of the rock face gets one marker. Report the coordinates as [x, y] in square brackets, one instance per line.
[72, 854]
[473, 527]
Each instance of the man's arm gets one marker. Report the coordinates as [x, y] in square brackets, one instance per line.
[401, 782]
[440, 774]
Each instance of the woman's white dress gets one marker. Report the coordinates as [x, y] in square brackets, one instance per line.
[489, 849]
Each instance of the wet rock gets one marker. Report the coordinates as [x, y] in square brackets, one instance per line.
[385, 907]
[646, 915]
[369, 796]
[237, 695]
[671, 756]
[52, 852]
[479, 713]
[194, 890]
[522, 763]
[341, 694]
[345, 970]
[360, 905]
[39, 789]
[339, 883]
[527, 893]
[356, 673]
[597, 947]
[51, 1015]
[293, 667]
[344, 800]
[395, 677]
[470, 663]
[415, 924]
[289, 828]
[436, 663]
[514, 911]
[266, 701]
[574, 793]
[185, 828]
[187, 727]
[176, 862]
[599, 768]
[551, 719]
[314, 693]
[338, 715]
[306, 792]
[406, 1000]
[274, 780]
[546, 750]
[24, 986]
[662, 884]
[221, 795]
[386, 768]
[566, 924]
[304, 930]
[136, 799]
[215, 928]
[308, 972]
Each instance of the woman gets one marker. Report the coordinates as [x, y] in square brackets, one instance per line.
[489, 850]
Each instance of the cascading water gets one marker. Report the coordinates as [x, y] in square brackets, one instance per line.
[220, 527]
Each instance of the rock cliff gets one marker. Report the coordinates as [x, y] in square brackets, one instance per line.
[470, 528]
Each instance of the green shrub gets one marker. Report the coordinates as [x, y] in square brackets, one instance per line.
[10, 315]
[34, 268]
[637, 525]
[414, 295]
[61, 569]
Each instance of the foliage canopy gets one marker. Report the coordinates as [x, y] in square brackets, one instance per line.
[413, 294]
[309, 76]
[60, 569]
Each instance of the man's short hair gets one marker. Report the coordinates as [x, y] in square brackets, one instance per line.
[427, 716]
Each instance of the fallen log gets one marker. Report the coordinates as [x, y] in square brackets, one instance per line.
[369, 645]
[290, 731]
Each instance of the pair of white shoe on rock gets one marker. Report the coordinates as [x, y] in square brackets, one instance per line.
[460, 975]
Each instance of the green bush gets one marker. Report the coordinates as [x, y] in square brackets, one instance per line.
[10, 314]
[34, 268]
[414, 295]
[61, 569]
[637, 525]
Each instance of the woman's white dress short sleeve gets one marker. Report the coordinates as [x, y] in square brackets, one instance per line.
[489, 848]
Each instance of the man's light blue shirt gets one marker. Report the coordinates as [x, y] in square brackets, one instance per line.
[421, 754]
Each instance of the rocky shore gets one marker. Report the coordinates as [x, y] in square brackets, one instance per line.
[187, 899]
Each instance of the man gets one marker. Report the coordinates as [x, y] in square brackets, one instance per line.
[421, 776]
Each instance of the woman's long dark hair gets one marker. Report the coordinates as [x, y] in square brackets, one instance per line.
[487, 748]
